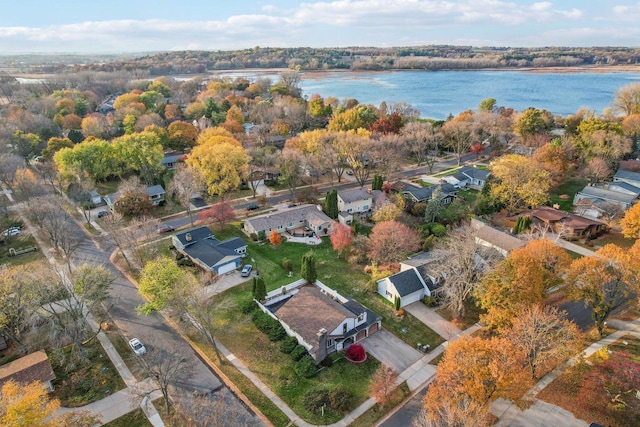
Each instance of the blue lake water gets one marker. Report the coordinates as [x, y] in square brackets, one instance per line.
[436, 94]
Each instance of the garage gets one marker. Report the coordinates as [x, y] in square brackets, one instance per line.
[226, 268]
[413, 297]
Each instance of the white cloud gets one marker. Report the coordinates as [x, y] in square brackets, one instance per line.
[627, 13]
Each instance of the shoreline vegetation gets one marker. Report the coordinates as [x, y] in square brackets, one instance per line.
[318, 61]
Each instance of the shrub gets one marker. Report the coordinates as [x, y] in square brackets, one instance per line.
[268, 325]
[418, 209]
[298, 352]
[429, 243]
[288, 344]
[356, 352]
[253, 236]
[262, 235]
[179, 256]
[248, 306]
[430, 301]
[315, 399]
[185, 262]
[327, 362]
[287, 264]
[396, 302]
[437, 229]
[306, 367]
[340, 398]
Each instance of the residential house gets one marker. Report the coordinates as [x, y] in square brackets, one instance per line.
[467, 175]
[418, 278]
[322, 320]
[629, 177]
[171, 160]
[594, 200]
[209, 253]
[493, 238]
[29, 368]
[155, 193]
[416, 194]
[568, 225]
[302, 220]
[358, 202]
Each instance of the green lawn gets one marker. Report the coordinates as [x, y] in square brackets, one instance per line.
[132, 419]
[447, 172]
[568, 188]
[423, 183]
[469, 195]
[19, 242]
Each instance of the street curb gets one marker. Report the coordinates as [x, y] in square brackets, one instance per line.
[201, 355]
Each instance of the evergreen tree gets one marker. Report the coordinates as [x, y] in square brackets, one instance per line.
[308, 269]
[261, 290]
[377, 182]
[331, 204]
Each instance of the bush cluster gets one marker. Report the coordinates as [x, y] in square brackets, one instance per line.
[288, 344]
[298, 352]
[268, 325]
[356, 352]
[287, 264]
[306, 367]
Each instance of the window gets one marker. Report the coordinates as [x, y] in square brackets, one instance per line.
[365, 208]
[319, 227]
[291, 224]
[301, 221]
[344, 328]
[329, 343]
[389, 294]
[361, 318]
[279, 227]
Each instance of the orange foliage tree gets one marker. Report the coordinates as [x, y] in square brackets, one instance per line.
[341, 237]
[274, 238]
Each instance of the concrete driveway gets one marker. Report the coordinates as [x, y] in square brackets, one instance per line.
[429, 317]
[390, 350]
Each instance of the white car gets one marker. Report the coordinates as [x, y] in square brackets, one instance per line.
[12, 231]
[138, 348]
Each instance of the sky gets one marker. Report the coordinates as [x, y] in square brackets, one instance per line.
[112, 26]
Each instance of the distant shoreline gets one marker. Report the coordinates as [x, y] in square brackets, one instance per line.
[321, 73]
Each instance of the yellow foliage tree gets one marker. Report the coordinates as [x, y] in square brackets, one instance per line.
[28, 405]
[630, 223]
[216, 135]
[519, 182]
[220, 165]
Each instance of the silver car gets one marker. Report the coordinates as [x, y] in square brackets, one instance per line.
[138, 348]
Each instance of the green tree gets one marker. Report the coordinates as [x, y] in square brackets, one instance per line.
[308, 268]
[377, 182]
[25, 144]
[331, 204]
[530, 123]
[487, 105]
[362, 116]
[158, 281]
[260, 290]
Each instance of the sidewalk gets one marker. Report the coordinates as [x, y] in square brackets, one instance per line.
[113, 406]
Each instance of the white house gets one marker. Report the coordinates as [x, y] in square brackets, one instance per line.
[415, 281]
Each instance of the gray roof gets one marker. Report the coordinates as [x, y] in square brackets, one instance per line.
[406, 282]
[425, 193]
[604, 194]
[291, 215]
[624, 186]
[94, 193]
[476, 173]
[204, 246]
[155, 190]
[460, 176]
[498, 238]
[171, 158]
[625, 175]
[426, 271]
[353, 195]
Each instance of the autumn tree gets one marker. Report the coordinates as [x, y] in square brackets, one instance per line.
[289, 164]
[308, 267]
[554, 159]
[519, 183]
[29, 405]
[383, 383]
[597, 170]
[530, 123]
[18, 305]
[605, 281]
[341, 237]
[544, 337]
[133, 200]
[220, 163]
[391, 241]
[630, 223]
[182, 135]
[362, 116]
[184, 186]
[458, 134]
[522, 279]
[472, 373]
[158, 281]
[222, 212]
[274, 238]
[388, 212]
[627, 99]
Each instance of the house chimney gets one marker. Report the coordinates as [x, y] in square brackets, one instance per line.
[321, 352]
[368, 191]
[188, 237]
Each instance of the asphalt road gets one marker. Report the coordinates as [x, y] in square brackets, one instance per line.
[152, 330]
[406, 415]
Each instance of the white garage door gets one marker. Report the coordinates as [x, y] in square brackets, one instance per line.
[406, 300]
[227, 268]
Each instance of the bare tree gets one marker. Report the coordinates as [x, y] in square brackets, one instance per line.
[458, 137]
[18, 305]
[463, 413]
[466, 263]
[9, 164]
[219, 409]
[138, 239]
[113, 224]
[544, 336]
[184, 185]
[387, 151]
[422, 141]
[383, 383]
[165, 367]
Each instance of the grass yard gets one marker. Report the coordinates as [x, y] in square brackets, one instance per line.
[469, 195]
[471, 315]
[447, 172]
[568, 188]
[18, 243]
[128, 356]
[87, 383]
[132, 419]
[593, 404]
[614, 237]
[423, 183]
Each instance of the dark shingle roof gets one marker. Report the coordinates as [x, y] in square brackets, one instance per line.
[27, 369]
[425, 193]
[155, 190]
[425, 271]
[476, 173]
[406, 282]
[202, 245]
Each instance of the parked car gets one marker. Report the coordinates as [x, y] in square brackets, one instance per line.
[102, 214]
[166, 228]
[349, 172]
[246, 270]
[11, 231]
[253, 207]
[292, 205]
[138, 348]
